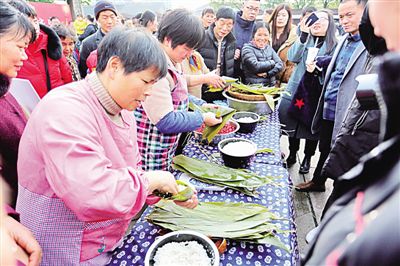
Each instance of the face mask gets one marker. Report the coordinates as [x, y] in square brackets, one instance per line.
[4, 84]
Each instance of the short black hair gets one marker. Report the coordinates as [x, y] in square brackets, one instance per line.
[90, 18]
[260, 24]
[268, 11]
[24, 8]
[182, 27]
[146, 17]
[13, 19]
[138, 15]
[136, 49]
[207, 10]
[53, 17]
[225, 12]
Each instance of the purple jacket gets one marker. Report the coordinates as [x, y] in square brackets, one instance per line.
[12, 124]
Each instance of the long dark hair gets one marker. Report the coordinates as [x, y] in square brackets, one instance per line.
[286, 31]
[330, 37]
[13, 21]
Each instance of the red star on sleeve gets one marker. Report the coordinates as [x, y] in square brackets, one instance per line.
[299, 103]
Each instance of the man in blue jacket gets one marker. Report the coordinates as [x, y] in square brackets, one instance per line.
[244, 25]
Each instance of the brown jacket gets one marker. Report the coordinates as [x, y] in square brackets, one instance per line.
[288, 66]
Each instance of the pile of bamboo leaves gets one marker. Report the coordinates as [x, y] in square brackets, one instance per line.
[228, 81]
[241, 180]
[224, 112]
[259, 89]
[240, 221]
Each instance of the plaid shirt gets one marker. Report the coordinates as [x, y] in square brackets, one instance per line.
[335, 80]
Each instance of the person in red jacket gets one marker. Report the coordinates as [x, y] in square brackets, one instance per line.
[46, 67]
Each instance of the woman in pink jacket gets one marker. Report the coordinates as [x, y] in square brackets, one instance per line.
[80, 183]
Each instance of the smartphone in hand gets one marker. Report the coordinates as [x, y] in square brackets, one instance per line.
[311, 19]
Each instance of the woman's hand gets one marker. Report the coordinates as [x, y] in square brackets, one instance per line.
[210, 119]
[190, 204]
[162, 181]
[262, 75]
[237, 54]
[303, 26]
[310, 67]
[210, 105]
[24, 242]
[214, 80]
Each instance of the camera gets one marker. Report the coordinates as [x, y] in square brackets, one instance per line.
[368, 85]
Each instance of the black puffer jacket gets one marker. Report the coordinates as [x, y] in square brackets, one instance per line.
[256, 61]
[209, 51]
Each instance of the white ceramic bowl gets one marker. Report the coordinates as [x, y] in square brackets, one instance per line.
[183, 236]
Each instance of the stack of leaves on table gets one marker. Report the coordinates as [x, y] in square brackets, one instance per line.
[241, 180]
[240, 221]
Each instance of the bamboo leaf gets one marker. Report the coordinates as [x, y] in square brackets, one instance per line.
[240, 221]
[270, 101]
[241, 180]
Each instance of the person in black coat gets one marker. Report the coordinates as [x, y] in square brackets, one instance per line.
[260, 63]
[360, 129]
[219, 40]
[362, 226]
[106, 15]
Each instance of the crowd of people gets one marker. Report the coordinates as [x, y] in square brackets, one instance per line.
[113, 111]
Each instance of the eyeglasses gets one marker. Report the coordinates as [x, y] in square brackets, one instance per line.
[250, 8]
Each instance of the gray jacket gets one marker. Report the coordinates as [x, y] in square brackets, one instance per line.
[347, 86]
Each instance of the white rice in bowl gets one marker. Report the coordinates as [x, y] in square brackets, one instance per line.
[239, 149]
[188, 253]
[246, 119]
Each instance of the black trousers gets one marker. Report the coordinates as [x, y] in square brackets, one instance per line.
[325, 138]
[309, 149]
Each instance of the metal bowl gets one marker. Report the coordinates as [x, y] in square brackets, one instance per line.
[183, 236]
[198, 135]
[259, 107]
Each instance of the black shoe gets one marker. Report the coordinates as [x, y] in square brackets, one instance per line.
[291, 159]
[305, 165]
[310, 186]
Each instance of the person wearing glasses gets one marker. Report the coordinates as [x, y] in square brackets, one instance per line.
[218, 49]
[243, 29]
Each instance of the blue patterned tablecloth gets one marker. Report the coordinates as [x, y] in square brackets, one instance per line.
[277, 198]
